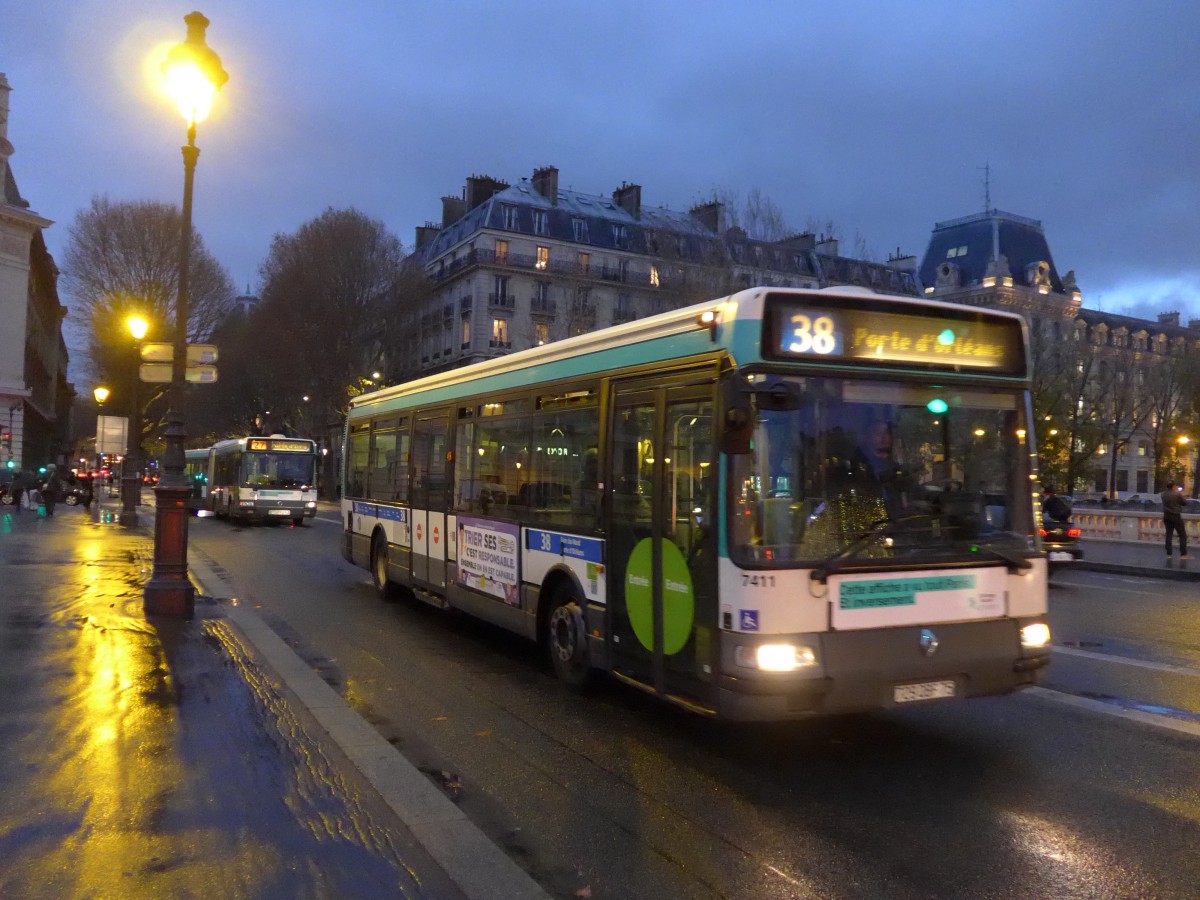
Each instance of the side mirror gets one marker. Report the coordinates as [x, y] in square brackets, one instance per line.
[737, 417]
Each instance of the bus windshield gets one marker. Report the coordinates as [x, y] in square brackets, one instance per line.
[856, 470]
[278, 470]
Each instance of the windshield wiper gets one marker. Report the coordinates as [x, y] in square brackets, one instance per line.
[884, 527]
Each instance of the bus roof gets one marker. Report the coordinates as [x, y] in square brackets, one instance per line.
[677, 334]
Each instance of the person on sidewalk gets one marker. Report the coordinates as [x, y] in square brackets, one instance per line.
[1172, 503]
[52, 490]
[17, 488]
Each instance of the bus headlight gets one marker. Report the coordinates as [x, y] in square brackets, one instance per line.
[311, 504]
[774, 657]
[1035, 636]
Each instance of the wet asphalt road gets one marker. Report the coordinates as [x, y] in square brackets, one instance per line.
[1010, 797]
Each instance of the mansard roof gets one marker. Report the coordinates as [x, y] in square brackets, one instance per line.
[970, 243]
[599, 212]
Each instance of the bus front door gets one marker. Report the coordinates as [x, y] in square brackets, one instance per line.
[661, 561]
[430, 483]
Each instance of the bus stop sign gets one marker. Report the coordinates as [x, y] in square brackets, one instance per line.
[197, 354]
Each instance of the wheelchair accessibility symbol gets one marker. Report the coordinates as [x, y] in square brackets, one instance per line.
[749, 620]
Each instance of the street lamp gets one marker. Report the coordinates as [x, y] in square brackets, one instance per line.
[131, 480]
[100, 392]
[193, 76]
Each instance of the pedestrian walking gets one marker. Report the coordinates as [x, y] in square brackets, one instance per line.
[52, 489]
[1172, 503]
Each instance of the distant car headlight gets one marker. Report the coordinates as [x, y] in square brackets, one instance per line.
[311, 504]
[1035, 636]
[775, 657]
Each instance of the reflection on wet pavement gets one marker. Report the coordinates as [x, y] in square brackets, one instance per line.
[144, 759]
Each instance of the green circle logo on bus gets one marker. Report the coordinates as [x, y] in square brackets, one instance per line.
[679, 604]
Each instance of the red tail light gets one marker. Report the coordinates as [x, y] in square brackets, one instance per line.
[1074, 532]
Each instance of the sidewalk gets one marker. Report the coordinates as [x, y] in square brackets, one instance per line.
[1141, 558]
[159, 758]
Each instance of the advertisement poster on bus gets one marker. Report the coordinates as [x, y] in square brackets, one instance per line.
[487, 557]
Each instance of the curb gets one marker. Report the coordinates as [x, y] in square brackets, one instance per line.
[476, 865]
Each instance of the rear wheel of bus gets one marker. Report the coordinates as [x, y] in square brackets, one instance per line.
[566, 637]
[379, 564]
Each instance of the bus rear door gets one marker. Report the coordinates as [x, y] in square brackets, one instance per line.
[430, 491]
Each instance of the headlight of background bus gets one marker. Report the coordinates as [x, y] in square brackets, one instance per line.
[774, 657]
[1035, 636]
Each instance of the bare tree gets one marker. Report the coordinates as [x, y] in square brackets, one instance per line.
[758, 215]
[121, 259]
[327, 290]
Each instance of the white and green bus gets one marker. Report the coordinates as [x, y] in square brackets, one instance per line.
[779, 504]
[263, 478]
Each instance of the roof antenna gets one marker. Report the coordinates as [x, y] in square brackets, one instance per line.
[986, 168]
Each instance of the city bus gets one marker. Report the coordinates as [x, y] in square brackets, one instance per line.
[195, 469]
[263, 478]
[780, 504]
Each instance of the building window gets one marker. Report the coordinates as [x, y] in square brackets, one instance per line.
[543, 258]
[541, 333]
[584, 260]
[541, 222]
[623, 268]
[1141, 451]
[541, 291]
[466, 331]
[501, 251]
[510, 217]
[499, 333]
[654, 276]
[580, 228]
[1143, 481]
[620, 237]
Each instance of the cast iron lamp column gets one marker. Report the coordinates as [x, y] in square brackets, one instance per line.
[131, 481]
[101, 394]
[194, 74]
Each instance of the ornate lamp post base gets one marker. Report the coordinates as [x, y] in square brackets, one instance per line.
[169, 591]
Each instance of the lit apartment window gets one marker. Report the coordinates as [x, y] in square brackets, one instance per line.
[541, 222]
[541, 333]
[510, 217]
[501, 251]
[466, 331]
[500, 331]
[654, 276]
[584, 260]
[543, 258]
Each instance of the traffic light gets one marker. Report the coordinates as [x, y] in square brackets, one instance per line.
[6, 440]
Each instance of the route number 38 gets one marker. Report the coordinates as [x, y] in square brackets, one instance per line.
[809, 335]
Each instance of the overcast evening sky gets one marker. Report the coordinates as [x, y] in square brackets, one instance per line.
[878, 117]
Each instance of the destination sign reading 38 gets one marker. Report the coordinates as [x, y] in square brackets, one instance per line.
[870, 335]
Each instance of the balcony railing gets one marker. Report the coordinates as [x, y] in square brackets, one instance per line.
[542, 306]
[503, 301]
[500, 345]
[530, 263]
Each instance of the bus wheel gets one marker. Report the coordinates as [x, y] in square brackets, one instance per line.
[379, 562]
[566, 638]
[298, 522]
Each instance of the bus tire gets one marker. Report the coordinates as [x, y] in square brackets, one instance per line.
[298, 522]
[566, 637]
[379, 561]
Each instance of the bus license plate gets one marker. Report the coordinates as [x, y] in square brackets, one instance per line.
[279, 512]
[926, 690]
[1060, 556]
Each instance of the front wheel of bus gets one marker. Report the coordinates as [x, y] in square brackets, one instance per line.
[566, 638]
[379, 565]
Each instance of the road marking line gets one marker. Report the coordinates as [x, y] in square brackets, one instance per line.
[1100, 587]
[1108, 709]
[1129, 661]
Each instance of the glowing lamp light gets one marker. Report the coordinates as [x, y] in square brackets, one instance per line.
[137, 327]
[937, 404]
[946, 338]
[193, 72]
[101, 394]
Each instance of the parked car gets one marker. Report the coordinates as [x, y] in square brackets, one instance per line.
[76, 491]
[1060, 536]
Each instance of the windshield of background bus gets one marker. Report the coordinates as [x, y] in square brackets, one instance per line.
[940, 471]
[278, 470]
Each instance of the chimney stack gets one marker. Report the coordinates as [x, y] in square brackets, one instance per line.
[481, 188]
[711, 216]
[426, 233]
[453, 209]
[545, 182]
[1169, 318]
[629, 198]
[6, 148]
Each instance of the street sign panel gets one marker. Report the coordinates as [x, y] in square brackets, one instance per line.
[111, 432]
[160, 373]
[197, 354]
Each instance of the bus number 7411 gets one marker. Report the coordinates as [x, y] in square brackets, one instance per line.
[749, 580]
